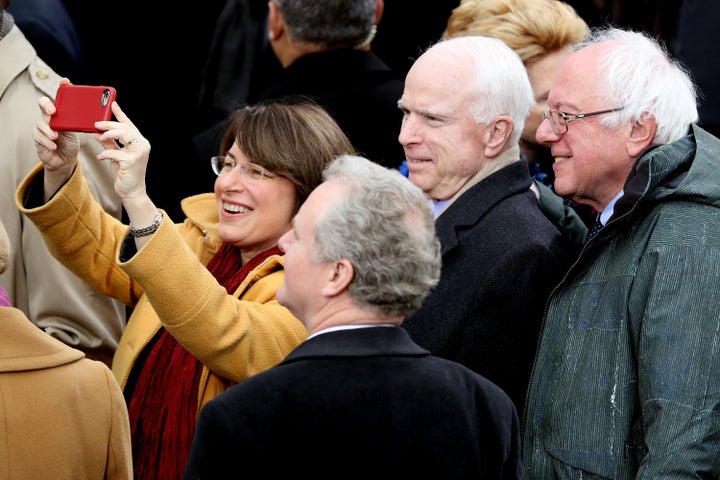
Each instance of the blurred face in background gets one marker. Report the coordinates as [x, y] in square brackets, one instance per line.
[542, 71]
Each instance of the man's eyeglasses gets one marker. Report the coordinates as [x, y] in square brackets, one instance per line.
[559, 120]
[250, 172]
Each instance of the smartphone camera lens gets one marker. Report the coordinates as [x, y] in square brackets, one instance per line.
[105, 98]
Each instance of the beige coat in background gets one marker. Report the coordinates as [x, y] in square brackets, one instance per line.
[62, 416]
[50, 295]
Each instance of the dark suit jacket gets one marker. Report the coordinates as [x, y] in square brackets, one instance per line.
[51, 31]
[366, 403]
[356, 87]
[501, 257]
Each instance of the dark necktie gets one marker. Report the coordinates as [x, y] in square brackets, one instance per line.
[595, 228]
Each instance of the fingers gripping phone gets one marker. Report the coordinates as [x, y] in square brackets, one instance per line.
[80, 106]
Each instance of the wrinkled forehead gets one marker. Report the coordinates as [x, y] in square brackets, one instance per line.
[577, 83]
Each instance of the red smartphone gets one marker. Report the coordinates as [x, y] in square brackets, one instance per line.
[80, 106]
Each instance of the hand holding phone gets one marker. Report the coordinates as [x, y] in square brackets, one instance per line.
[80, 106]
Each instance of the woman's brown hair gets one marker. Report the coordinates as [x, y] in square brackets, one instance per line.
[294, 137]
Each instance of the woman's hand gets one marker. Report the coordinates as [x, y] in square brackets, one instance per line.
[57, 151]
[128, 151]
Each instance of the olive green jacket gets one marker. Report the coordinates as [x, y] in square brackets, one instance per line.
[626, 383]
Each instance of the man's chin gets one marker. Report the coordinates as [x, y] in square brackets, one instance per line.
[561, 189]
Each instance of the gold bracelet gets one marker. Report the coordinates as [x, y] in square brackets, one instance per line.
[149, 230]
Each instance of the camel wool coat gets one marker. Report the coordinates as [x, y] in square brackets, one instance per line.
[234, 336]
[62, 415]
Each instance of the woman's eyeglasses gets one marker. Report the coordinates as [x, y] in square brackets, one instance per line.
[250, 172]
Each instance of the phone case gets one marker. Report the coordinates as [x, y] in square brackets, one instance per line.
[80, 106]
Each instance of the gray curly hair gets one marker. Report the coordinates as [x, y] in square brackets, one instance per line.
[385, 228]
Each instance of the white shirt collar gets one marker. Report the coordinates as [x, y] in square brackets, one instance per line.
[348, 327]
[610, 208]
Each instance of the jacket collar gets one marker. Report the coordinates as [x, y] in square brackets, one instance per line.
[363, 342]
[474, 203]
[503, 160]
[202, 211]
[17, 54]
[660, 172]
[340, 60]
[23, 346]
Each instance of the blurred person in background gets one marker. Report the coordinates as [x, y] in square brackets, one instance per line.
[62, 415]
[51, 296]
[324, 47]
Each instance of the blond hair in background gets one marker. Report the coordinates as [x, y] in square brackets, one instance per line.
[530, 27]
[542, 33]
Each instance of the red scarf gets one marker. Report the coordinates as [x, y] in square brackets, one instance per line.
[163, 406]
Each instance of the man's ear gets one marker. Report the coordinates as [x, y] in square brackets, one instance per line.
[642, 135]
[379, 8]
[497, 135]
[275, 22]
[339, 278]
